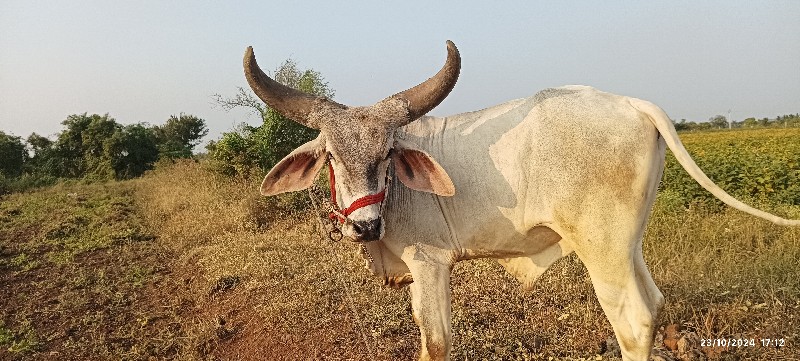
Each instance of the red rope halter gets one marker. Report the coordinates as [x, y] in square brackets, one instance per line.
[359, 203]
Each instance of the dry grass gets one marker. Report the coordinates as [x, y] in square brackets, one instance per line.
[728, 274]
[287, 295]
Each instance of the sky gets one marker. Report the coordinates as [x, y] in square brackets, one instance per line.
[143, 61]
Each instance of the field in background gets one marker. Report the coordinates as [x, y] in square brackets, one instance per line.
[748, 163]
[183, 264]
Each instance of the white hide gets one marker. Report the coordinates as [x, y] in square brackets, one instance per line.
[568, 169]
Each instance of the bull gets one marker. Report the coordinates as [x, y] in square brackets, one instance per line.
[526, 182]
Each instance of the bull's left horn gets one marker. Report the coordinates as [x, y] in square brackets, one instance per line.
[427, 95]
[290, 102]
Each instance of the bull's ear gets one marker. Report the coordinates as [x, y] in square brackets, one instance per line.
[418, 171]
[297, 170]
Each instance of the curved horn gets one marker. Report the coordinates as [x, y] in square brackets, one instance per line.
[290, 102]
[427, 95]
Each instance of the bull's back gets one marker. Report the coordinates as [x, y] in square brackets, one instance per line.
[587, 151]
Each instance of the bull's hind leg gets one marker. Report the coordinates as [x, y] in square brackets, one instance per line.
[643, 275]
[625, 290]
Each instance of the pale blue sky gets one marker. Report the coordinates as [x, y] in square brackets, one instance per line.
[145, 60]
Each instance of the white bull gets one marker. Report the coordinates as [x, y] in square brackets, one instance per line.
[570, 169]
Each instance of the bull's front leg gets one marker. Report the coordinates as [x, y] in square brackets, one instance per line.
[430, 299]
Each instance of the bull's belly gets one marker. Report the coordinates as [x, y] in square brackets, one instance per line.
[505, 243]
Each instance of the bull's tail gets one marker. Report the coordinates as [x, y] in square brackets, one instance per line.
[667, 130]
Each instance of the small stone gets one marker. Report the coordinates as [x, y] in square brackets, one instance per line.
[671, 337]
[689, 348]
[659, 354]
[612, 347]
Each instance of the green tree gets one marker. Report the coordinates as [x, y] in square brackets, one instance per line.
[718, 121]
[80, 148]
[98, 147]
[132, 150]
[232, 155]
[179, 135]
[750, 122]
[12, 155]
[682, 125]
[38, 144]
[41, 160]
[239, 151]
[69, 146]
[97, 140]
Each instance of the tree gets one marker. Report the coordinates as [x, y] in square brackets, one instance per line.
[232, 155]
[132, 150]
[718, 121]
[41, 156]
[680, 125]
[179, 135]
[95, 146]
[69, 146]
[277, 136]
[38, 144]
[98, 147]
[97, 138]
[12, 155]
[750, 122]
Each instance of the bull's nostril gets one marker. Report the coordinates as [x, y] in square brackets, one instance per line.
[357, 229]
[374, 225]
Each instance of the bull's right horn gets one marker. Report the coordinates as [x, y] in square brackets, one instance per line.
[290, 102]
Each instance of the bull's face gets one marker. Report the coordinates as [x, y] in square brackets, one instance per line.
[358, 142]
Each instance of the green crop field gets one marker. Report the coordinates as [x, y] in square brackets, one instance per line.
[757, 164]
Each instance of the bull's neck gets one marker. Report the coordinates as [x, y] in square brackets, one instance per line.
[410, 209]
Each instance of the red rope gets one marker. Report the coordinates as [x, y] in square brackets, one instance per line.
[332, 181]
[359, 203]
[365, 201]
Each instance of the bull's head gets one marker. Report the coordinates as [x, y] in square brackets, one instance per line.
[359, 142]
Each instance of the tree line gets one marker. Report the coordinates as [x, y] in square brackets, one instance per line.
[95, 147]
[721, 122]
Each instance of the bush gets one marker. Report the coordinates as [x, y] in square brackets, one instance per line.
[25, 182]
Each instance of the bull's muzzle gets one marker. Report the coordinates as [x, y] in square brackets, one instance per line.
[366, 231]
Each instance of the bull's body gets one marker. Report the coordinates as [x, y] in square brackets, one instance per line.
[569, 169]
[530, 174]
